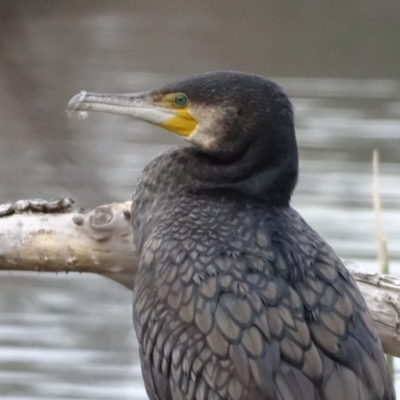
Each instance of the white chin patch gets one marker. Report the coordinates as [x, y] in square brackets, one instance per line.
[208, 130]
[202, 137]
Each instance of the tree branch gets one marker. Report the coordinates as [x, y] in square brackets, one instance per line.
[51, 237]
[58, 240]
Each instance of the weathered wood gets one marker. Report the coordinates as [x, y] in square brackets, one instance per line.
[97, 241]
[382, 294]
[100, 241]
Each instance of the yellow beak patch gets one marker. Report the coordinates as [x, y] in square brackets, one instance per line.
[183, 124]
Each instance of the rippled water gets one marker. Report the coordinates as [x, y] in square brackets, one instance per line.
[71, 336]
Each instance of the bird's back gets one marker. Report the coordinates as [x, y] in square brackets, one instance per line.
[238, 301]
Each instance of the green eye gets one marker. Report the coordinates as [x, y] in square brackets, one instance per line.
[181, 100]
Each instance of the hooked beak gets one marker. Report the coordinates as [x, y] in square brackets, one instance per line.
[137, 105]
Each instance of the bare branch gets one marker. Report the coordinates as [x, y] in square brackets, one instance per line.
[382, 294]
[97, 241]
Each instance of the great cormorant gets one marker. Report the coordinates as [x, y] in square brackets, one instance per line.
[237, 297]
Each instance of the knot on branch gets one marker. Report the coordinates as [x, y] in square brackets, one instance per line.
[109, 221]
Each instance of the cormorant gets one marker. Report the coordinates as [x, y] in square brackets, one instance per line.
[236, 296]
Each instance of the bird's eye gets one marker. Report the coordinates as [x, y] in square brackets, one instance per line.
[181, 100]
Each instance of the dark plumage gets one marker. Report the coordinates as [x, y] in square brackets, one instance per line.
[236, 296]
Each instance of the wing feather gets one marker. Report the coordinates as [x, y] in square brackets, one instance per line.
[255, 323]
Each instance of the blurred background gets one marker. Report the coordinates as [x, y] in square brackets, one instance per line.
[71, 337]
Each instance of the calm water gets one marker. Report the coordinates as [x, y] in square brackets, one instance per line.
[71, 336]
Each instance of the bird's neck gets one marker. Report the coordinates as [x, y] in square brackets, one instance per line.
[270, 178]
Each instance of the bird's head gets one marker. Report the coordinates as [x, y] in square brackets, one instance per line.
[221, 113]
